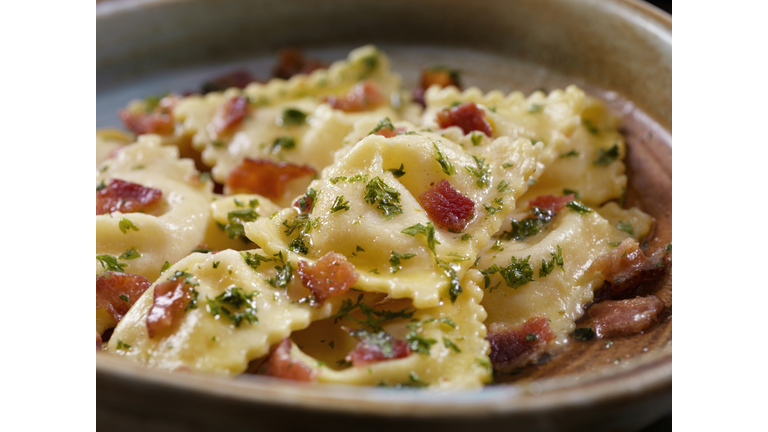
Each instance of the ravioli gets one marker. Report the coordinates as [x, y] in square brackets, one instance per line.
[556, 292]
[206, 342]
[388, 258]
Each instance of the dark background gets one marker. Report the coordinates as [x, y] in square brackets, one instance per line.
[662, 4]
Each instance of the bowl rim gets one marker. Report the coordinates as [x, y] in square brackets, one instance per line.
[645, 374]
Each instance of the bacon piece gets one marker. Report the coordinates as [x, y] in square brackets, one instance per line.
[291, 62]
[366, 353]
[280, 364]
[363, 96]
[553, 203]
[468, 116]
[389, 133]
[111, 285]
[264, 177]
[98, 341]
[626, 317]
[447, 207]
[230, 114]
[159, 121]
[125, 197]
[331, 276]
[238, 78]
[440, 76]
[170, 299]
[626, 266]
[517, 346]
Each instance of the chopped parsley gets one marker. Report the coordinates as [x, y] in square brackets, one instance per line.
[384, 123]
[498, 246]
[283, 276]
[370, 62]
[188, 278]
[668, 248]
[482, 172]
[576, 194]
[394, 260]
[165, 267]
[292, 116]
[301, 221]
[590, 127]
[126, 225]
[376, 191]
[339, 204]
[236, 218]
[397, 172]
[216, 264]
[507, 165]
[359, 249]
[285, 142]
[476, 139]
[493, 210]
[557, 259]
[373, 318]
[606, 157]
[428, 231]
[529, 226]
[230, 301]
[583, 334]
[124, 298]
[130, 254]
[418, 343]
[122, 345]
[297, 245]
[466, 237]
[534, 108]
[451, 345]
[503, 187]
[381, 339]
[100, 186]
[516, 274]
[454, 286]
[578, 207]
[626, 227]
[110, 263]
[531, 337]
[572, 153]
[445, 164]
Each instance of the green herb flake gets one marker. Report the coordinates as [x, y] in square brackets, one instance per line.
[623, 197]
[606, 157]
[534, 108]
[518, 273]
[576, 194]
[583, 334]
[668, 248]
[482, 172]
[126, 225]
[578, 207]
[299, 246]
[451, 345]
[165, 267]
[339, 204]
[506, 165]
[397, 172]
[445, 164]
[110, 263]
[477, 139]
[498, 246]
[218, 143]
[531, 337]
[572, 153]
[307, 202]
[122, 345]
[124, 298]
[229, 304]
[418, 343]
[394, 260]
[100, 186]
[285, 142]
[236, 219]
[590, 127]
[626, 227]
[283, 276]
[454, 285]
[293, 117]
[493, 210]
[216, 264]
[466, 237]
[427, 231]
[384, 123]
[503, 187]
[130, 254]
[387, 198]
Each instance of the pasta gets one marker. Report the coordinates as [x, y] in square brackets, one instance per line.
[329, 228]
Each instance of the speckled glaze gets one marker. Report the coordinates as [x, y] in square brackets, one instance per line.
[618, 50]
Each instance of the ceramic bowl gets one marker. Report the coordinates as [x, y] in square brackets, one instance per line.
[617, 50]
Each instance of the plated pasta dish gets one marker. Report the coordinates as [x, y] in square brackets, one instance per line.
[331, 226]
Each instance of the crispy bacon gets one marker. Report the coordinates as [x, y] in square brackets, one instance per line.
[170, 299]
[389, 133]
[111, 285]
[447, 207]
[440, 76]
[291, 62]
[264, 177]
[238, 78]
[366, 353]
[626, 317]
[553, 203]
[363, 96]
[280, 364]
[468, 116]
[517, 346]
[331, 276]
[230, 114]
[626, 266]
[159, 121]
[125, 197]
